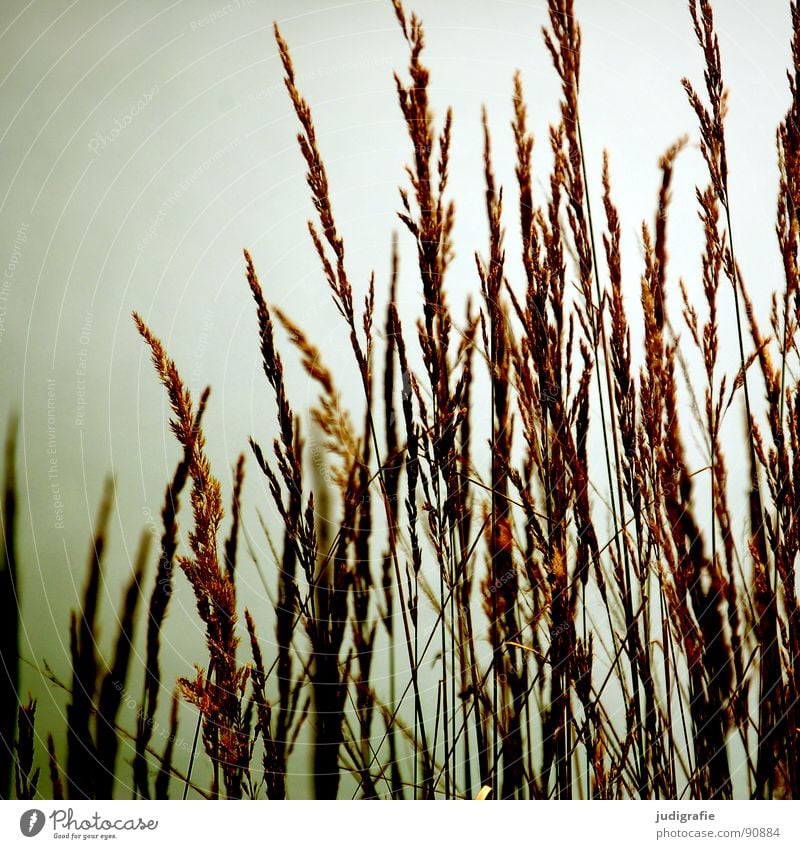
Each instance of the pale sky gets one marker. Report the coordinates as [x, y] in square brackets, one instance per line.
[144, 144]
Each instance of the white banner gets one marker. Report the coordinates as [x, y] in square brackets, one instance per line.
[330, 825]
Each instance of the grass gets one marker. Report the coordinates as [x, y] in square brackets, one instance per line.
[561, 621]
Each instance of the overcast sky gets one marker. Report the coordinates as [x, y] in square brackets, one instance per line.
[144, 144]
